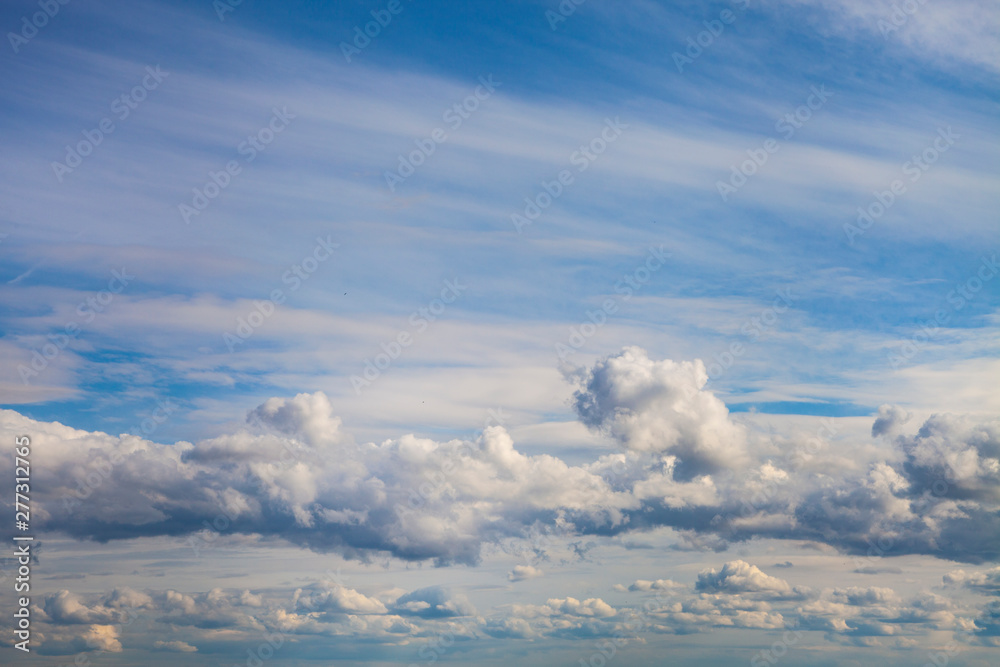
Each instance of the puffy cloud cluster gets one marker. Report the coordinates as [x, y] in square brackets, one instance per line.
[66, 608]
[740, 595]
[297, 476]
[987, 582]
[661, 406]
[719, 611]
[294, 474]
[573, 607]
[73, 624]
[559, 617]
[858, 614]
[739, 576]
[736, 594]
[335, 598]
[890, 419]
[657, 585]
[432, 602]
[938, 493]
[954, 458]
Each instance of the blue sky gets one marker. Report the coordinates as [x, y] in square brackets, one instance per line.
[128, 307]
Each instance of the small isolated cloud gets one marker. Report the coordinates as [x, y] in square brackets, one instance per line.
[66, 608]
[308, 417]
[890, 419]
[658, 585]
[522, 572]
[432, 602]
[739, 576]
[594, 607]
[103, 638]
[878, 570]
[174, 647]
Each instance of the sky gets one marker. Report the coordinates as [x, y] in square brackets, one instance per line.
[579, 333]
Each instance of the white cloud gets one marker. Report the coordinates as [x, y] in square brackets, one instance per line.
[661, 406]
[738, 576]
[657, 585]
[523, 572]
[985, 581]
[335, 598]
[175, 646]
[298, 476]
[590, 607]
[865, 596]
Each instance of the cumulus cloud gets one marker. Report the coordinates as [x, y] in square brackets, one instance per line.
[293, 474]
[739, 576]
[589, 607]
[174, 647]
[987, 624]
[736, 595]
[414, 498]
[306, 416]
[890, 419]
[661, 406]
[987, 581]
[522, 572]
[103, 638]
[954, 458]
[865, 596]
[207, 611]
[330, 597]
[567, 617]
[66, 608]
[721, 609]
[657, 585]
[432, 602]
[75, 639]
[128, 599]
[509, 628]
[855, 615]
